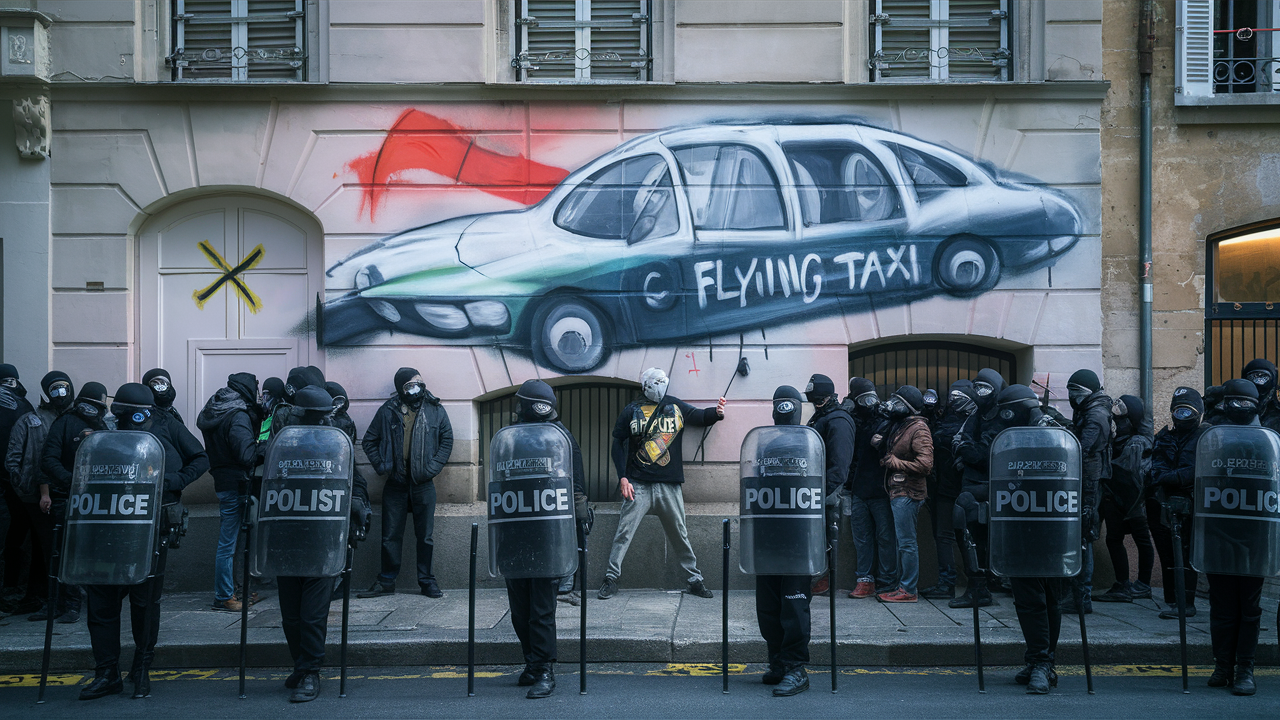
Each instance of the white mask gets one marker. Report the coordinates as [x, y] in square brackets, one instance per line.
[654, 382]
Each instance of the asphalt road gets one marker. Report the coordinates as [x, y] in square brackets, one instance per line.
[660, 691]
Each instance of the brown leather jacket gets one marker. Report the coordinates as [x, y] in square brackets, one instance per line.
[908, 459]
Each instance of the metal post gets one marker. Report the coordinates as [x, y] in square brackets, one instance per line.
[833, 541]
[244, 589]
[346, 616]
[52, 599]
[724, 612]
[1180, 587]
[1084, 637]
[471, 615]
[977, 647]
[1146, 44]
[582, 623]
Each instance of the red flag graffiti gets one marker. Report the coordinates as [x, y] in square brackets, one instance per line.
[419, 141]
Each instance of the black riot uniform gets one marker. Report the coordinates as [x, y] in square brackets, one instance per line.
[163, 391]
[1263, 374]
[1173, 461]
[184, 461]
[970, 448]
[1091, 424]
[533, 600]
[1121, 506]
[1235, 615]
[782, 601]
[304, 601]
[944, 485]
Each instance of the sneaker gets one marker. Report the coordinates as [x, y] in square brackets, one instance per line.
[1139, 590]
[1119, 592]
[821, 586]
[864, 589]
[377, 589]
[697, 588]
[1039, 682]
[72, 615]
[228, 605]
[941, 591]
[608, 589]
[569, 598]
[432, 589]
[897, 596]
[308, 689]
[1172, 613]
[1024, 675]
[793, 683]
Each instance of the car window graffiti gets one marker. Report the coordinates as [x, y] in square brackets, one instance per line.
[929, 174]
[730, 187]
[630, 200]
[840, 182]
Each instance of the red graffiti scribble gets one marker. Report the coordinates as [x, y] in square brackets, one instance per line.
[419, 141]
[695, 369]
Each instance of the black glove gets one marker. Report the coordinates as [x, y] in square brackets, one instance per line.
[361, 517]
[582, 511]
[1089, 524]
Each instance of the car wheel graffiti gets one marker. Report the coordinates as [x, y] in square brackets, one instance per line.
[967, 265]
[570, 335]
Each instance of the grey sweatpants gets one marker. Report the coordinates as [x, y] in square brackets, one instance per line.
[666, 500]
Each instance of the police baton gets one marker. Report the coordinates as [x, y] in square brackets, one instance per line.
[247, 528]
[1084, 636]
[1179, 587]
[346, 616]
[471, 615]
[833, 537]
[724, 612]
[52, 600]
[582, 622]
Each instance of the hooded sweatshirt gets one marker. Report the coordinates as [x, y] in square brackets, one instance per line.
[227, 422]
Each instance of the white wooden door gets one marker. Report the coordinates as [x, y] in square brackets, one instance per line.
[226, 284]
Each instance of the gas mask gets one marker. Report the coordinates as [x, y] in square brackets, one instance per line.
[1185, 417]
[1240, 410]
[1263, 380]
[412, 392]
[1077, 394]
[786, 411]
[961, 403]
[130, 417]
[163, 390]
[60, 395]
[654, 383]
[90, 409]
[9, 382]
[866, 402]
[982, 389]
[930, 400]
[897, 408]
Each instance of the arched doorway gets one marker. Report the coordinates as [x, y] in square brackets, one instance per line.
[927, 364]
[225, 283]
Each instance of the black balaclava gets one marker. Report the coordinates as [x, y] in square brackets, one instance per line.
[58, 390]
[339, 395]
[133, 405]
[820, 391]
[91, 403]
[409, 386]
[987, 385]
[1262, 373]
[863, 393]
[1187, 408]
[1240, 401]
[313, 376]
[535, 402]
[905, 402]
[786, 406]
[9, 380]
[161, 387]
[293, 382]
[246, 386]
[1015, 406]
[272, 394]
[961, 399]
[1081, 385]
[1129, 415]
[315, 404]
[1212, 397]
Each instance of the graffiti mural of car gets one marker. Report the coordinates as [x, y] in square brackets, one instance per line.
[702, 231]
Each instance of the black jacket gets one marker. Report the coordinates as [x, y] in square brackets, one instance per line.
[866, 476]
[1130, 468]
[1091, 424]
[384, 441]
[184, 457]
[838, 431]
[1173, 460]
[230, 435]
[59, 456]
[627, 444]
[973, 449]
[947, 475]
[12, 406]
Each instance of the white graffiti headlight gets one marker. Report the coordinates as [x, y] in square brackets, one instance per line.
[445, 317]
[487, 313]
[386, 310]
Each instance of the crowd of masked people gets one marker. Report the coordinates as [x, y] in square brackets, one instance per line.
[1129, 476]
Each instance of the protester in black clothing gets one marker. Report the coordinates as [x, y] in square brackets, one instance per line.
[229, 422]
[1263, 374]
[1173, 475]
[340, 418]
[272, 395]
[1213, 414]
[944, 486]
[162, 388]
[970, 447]
[1091, 424]
[22, 461]
[408, 441]
[1122, 506]
[870, 515]
[185, 461]
[14, 525]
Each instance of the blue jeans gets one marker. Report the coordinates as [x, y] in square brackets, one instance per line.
[905, 512]
[871, 523]
[399, 498]
[228, 531]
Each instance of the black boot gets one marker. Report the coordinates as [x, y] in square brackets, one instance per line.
[1222, 675]
[977, 594]
[1244, 684]
[941, 591]
[105, 682]
[1024, 675]
[528, 677]
[308, 688]
[794, 682]
[1038, 683]
[141, 683]
[544, 685]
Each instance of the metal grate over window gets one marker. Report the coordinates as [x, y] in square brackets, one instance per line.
[589, 410]
[569, 40]
[933, 40]
[926, 365]
[238, 40]
[1242, 299]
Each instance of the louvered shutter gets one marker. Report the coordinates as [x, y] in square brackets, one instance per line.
[239, 40]
[1195, 48]
[940, 40]
[583, 40]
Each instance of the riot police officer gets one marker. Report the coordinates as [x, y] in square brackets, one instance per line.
[970, 447]
[304, 600]
[945, 486]
[533, 599]
[1091, 423]
[1172, 479]
[184, 461]
[1263, 374]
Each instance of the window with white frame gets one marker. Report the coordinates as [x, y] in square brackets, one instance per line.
[1227, 48]
[239, 40]
[937, 40]
[568, 40]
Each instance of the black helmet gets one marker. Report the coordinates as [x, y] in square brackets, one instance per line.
[786, 406]
[536, 402]
[1014, 405]
[313, 398]
[1240, 401]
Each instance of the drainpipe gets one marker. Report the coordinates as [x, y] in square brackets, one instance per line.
[1146, 44]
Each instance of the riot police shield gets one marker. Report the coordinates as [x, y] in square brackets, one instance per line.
[113, 515]
[1236, 520]
[782, 473]
[531, 521]
[304, 509]
[1035, 495]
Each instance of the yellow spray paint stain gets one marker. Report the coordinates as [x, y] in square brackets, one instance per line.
[184, 674]
[457, 675]
[697, 669]
[33, 680]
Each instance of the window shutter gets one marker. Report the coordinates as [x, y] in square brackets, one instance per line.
[549, 39]
[903, 50]
[940, 40]
[583, 39]
[239, 40]
[276, 34]
[619, 43]
[1195, 47]
[977, 40]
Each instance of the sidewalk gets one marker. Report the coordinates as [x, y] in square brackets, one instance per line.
[635, 626]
